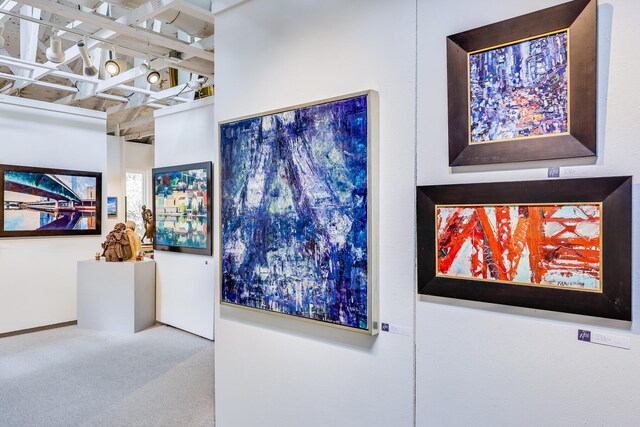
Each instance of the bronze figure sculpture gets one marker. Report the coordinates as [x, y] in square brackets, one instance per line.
[117, 246]
[149, 224]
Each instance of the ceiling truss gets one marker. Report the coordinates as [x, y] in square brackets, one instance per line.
[135, 31]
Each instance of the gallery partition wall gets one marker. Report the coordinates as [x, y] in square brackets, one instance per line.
[502, 353]
[280, 56]
[184, 288]
[510, 364]
[38, 284]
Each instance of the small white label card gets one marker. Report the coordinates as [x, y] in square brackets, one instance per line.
[605, 338]
[395, 329]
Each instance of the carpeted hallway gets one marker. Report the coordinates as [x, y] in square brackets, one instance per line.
[74, 377]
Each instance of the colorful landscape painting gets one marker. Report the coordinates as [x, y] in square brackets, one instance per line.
[548, 245]
[181, 200]
[112, 206]
[294, 212]
[520, 90]
[37, 201]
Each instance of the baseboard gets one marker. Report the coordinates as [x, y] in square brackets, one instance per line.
[38, 329]
[159, 323]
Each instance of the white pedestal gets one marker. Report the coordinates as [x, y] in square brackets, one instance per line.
[116, 296]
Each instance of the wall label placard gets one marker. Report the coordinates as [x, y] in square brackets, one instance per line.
[603, 338]
[395, 329]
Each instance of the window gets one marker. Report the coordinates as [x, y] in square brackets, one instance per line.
[137, 196]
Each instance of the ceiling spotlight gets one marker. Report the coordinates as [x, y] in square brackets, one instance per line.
[153, 76]
[115, 66]
[1, 38]
[89, 69]
[54, 52]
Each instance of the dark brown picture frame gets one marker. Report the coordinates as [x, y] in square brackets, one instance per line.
[49, 233]
[208, 166]
[579, 17]
[613, 192]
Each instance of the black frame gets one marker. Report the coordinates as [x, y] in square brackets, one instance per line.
[180, 168]
[48, 233]
[613, 192]
[579, 17]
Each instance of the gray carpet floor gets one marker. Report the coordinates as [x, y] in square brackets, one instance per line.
[75, 377]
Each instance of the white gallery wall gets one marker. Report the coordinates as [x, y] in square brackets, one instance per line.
[125, 156]
[115, 177]
[38, 275]
[273, 371]
[184, 282]
[481, 364]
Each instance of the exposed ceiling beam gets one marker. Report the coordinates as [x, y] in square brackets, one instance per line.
[205, 43]
[7, 5]
[111, 97]
[39, 82]
[73, 52]
[139, 135]
[141, 121]
[197, 12]
[94, 21]
[120, 27]
[16, 62]
[149, 10]
[156, 96]
[87, 3]
[104, 85]
[70, 55]
[13, 62]
[220, 6]
[29, 34]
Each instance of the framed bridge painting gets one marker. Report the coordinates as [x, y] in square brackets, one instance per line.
[49, 202]
[299, 212]
[524, 89]
[559, 245]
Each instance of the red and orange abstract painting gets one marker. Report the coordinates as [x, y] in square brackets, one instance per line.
[536, 245]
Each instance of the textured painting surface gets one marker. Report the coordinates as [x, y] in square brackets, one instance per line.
[519, 90]
[294, 212]
[41, 201]
[181, 208]
[558, 246]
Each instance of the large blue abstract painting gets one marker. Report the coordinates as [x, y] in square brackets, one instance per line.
[295, 198]
[520, 90]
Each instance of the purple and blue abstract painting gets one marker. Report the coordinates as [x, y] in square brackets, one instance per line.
[294, 212]
[520, 90]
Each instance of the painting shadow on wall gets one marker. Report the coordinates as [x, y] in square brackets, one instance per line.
[538, 164]
[299, 328]
[605, 21]
[635, 257]
[508, 310]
